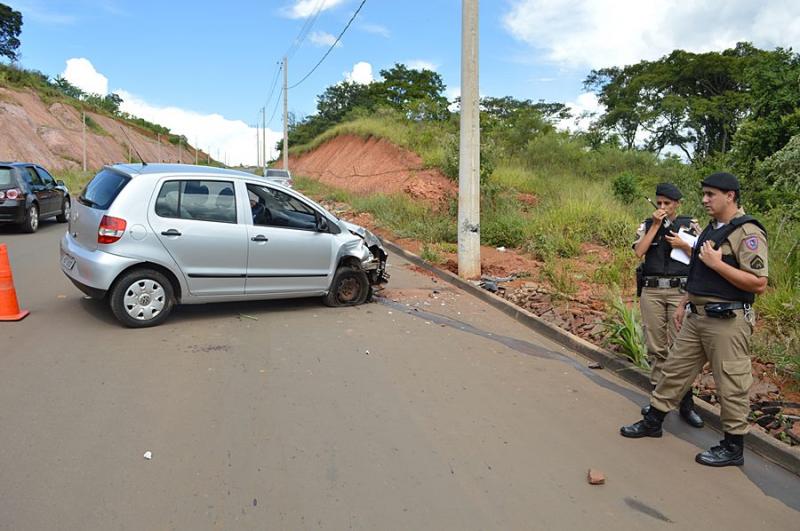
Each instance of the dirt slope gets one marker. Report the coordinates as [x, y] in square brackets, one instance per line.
[369, 165]
[51, 135]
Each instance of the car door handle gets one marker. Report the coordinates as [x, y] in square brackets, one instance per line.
[170, 232]
[260, 238]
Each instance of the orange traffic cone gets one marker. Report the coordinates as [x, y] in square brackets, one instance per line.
[9, 307]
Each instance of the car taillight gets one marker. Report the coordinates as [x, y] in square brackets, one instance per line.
[111, 229]
[10, 194]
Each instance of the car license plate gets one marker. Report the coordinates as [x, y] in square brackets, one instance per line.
[67, 262]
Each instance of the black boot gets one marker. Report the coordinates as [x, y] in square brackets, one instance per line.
[649, 426]
[730, 452]
[688, 413]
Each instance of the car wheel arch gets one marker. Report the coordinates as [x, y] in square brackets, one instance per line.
[173, 280]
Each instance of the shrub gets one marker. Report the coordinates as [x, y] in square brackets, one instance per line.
[625, 187]
[625, 332]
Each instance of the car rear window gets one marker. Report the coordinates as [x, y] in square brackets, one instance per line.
[277, 173]
[103, 189]
[5, 177]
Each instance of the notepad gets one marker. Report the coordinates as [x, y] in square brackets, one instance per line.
[678, 254]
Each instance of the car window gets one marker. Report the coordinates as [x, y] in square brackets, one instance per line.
[278, 173]
[270, 207]
[6, 179]
[46, 177]
[32, 177]
[197, 199]
[103, 189]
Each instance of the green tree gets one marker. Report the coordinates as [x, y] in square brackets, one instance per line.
[417, 93]
[10, 27]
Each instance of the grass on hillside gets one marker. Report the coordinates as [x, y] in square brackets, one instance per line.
[576, 205]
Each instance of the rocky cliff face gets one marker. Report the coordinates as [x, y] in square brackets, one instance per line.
[50, 134]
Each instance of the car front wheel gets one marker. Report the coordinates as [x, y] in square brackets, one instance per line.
[31, 222]
[142, 298]
[64, 216]
[350, 287]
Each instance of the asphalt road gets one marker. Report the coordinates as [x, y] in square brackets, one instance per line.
[429, 411]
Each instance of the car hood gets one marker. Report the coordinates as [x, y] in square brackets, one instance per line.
[369, 238]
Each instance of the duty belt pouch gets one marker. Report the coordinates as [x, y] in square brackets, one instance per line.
[719, 310]
[639, 280]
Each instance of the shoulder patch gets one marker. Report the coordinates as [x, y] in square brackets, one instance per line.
[757, 263]
[751, 243]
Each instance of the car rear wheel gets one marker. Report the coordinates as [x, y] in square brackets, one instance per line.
[31, 222]
[65, 207]
[350, 287]
[142, 298]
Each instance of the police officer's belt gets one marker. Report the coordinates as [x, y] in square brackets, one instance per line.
[664, 282]
[719, 310]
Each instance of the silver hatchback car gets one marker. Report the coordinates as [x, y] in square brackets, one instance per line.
[148, 237]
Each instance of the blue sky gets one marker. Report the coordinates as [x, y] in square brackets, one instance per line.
[204, 69]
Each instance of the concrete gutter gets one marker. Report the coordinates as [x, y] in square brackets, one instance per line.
[768, 447]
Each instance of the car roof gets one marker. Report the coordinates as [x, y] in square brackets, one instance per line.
[176, 169]
[18, 164]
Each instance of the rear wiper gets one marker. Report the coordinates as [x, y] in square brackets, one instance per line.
[88, 202]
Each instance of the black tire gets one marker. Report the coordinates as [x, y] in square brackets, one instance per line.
[31, 222]
[350, 287]
[64, 216]
[155, 298]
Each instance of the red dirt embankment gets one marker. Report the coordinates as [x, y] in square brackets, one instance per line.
[51, 134]
[370, 165]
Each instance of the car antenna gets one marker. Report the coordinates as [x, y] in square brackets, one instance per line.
[134, 147]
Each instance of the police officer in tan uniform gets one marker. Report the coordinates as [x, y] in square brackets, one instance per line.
[729, 267]
[663, 279]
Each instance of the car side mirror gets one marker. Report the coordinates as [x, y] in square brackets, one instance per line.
[60, 182]
[322, 225]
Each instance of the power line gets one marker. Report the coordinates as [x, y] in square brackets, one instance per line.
[275, 109]
[332, 45]
[274, 83]
[305, 30]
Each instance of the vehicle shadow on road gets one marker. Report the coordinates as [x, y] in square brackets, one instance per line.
[248, 310]
[48, 226]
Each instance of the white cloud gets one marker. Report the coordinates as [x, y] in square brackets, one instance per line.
[420, 64]
[81, 73]
[321, 38]
[584, 110]
[600, 33]
[306, 8]
[376, 29]
[221, 137]
[361, 73]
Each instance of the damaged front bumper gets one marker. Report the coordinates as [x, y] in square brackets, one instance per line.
[375, 267]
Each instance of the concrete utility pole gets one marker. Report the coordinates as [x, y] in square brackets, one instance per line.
[180, 150]
[469, 158]
[264, 141]
[159, 147]
[84, 141]
[195, 151]
[285, 113]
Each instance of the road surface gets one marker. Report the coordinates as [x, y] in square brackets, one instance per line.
[430, 410]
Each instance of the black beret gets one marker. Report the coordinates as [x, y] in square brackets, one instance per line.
[669, 190]
[722, 181]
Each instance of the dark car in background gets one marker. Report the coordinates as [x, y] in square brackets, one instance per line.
[28, 193]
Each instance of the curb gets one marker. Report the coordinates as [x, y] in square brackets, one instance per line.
[758, 442]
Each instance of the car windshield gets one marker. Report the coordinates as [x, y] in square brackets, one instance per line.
[5, 177]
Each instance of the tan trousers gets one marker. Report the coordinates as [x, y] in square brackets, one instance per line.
[658, 306]
[725, 343]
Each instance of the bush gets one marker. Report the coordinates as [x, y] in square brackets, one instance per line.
[625, 187]
[625, 332]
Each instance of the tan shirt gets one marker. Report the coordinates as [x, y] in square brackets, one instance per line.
[748, 244]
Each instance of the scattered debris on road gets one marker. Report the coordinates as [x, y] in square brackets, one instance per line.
[596, 477]
[595, 365]
[148, 455]
[245, 316]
